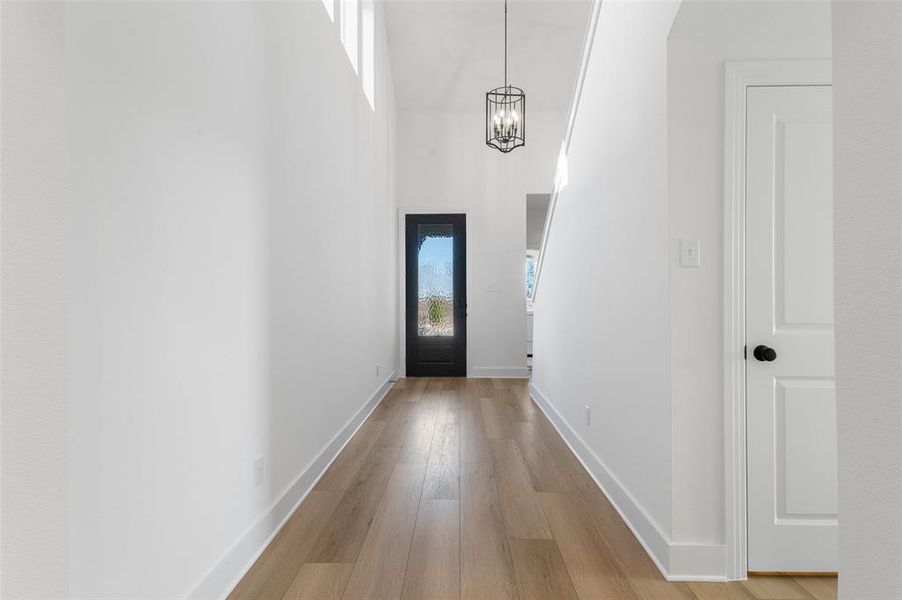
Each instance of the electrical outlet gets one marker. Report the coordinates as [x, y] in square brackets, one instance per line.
[588, 416]
[258, 471]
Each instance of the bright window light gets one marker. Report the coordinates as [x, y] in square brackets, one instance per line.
[330, 9]
[561, 175]
[349, 29]
[368, 50]
[532, 257]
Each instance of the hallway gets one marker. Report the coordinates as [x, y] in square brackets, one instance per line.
[461, 488]
[227, 229]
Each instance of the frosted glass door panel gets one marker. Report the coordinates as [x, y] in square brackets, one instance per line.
[435, 270]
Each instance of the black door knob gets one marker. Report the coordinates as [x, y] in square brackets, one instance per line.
[764, 354]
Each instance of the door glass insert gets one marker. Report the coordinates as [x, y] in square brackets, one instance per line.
[435, 270]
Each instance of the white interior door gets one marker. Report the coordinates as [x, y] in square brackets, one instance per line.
[792, 464]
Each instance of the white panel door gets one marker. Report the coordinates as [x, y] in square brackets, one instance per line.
[792, 478]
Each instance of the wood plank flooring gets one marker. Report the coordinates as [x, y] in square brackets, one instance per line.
[462, 489]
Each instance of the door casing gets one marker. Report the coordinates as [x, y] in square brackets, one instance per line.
[738, 77]
[457, 343]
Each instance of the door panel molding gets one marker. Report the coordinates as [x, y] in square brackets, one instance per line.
[738, 77]
[794, 473]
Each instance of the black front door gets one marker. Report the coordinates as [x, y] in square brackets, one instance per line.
[436, 250]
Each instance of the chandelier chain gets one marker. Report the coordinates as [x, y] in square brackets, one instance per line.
[505, 43]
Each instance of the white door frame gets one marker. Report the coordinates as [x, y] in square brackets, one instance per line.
[402, 277]
[738, 77]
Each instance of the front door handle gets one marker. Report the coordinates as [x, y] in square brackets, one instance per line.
[462, 307]
[764, 354]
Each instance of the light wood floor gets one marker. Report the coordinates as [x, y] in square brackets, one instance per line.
[461, 488]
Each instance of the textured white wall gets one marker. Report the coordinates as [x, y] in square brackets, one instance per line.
[229, 281]
[444, 165]
[704, 35]
[33, 328]
[867, 75]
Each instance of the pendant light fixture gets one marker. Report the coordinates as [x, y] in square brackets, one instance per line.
[505, 111]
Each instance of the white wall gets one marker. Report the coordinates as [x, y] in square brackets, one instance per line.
[601, 309]
[445, 166]
[704, 35]
[230, 282]
[619, 327]
[33, 402]
[535, 221]
[867, 72]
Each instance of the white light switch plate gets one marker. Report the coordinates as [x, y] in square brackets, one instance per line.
[689, 253]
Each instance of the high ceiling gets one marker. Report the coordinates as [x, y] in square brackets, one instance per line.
[446, 54]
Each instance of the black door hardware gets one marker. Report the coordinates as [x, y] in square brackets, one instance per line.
[765, 354]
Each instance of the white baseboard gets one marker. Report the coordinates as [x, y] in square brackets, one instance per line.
[697, 562]
[676, 561]
[238, 559]
[499, 372]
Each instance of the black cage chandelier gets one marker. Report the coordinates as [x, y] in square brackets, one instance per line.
[505, 111]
